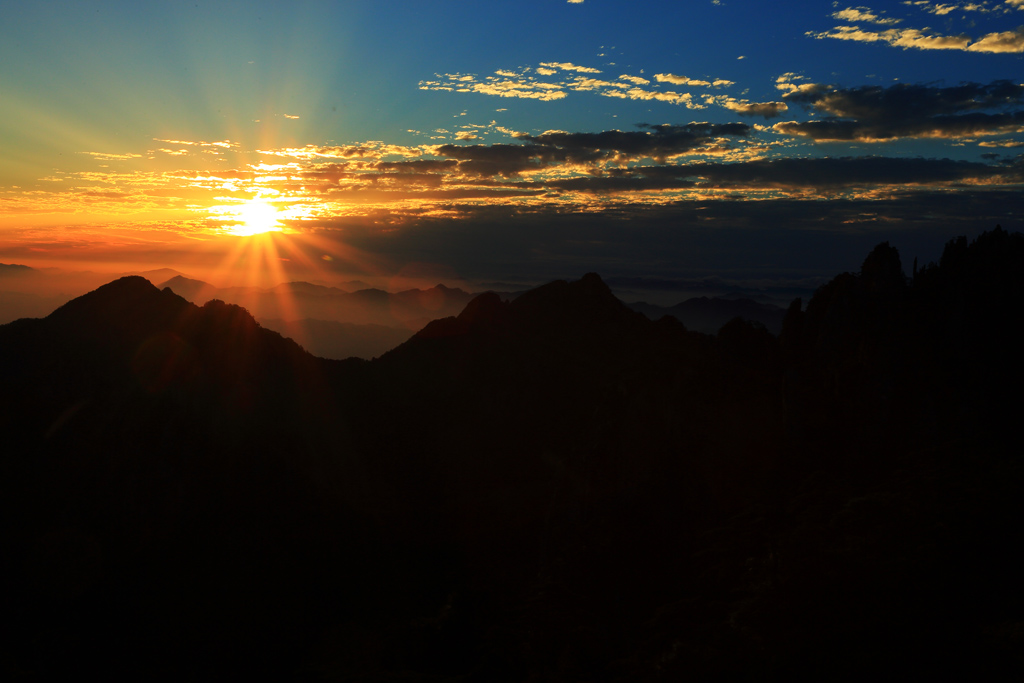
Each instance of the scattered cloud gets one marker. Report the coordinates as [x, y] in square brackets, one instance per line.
[905, 38]
[554, 80]
[925, 38]
[501, 85]
[566, 66]
[1001, 143]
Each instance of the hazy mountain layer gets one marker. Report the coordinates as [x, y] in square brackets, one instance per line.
[409, 309]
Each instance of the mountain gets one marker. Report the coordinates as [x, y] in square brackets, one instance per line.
[409, 309]
[704, 314]
[554, 487]
[332, 339]
[157, 275]
[196, 291]
[8, 269]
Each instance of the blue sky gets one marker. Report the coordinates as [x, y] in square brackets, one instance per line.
[508, 140]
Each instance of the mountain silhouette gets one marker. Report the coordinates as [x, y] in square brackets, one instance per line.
[339, 340]
[554, 487]
[291, 301]
[708, 314]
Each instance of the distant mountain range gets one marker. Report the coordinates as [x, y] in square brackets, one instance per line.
[352, 319]
[707, 314]
[410, 309]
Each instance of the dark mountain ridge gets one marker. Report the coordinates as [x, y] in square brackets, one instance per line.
[553, 487]
[708, 314]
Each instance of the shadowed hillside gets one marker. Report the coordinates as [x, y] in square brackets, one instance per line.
[550, 488]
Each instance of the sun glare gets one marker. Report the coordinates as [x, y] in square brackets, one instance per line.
[256, 216]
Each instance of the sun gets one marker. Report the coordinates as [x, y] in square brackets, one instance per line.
[255, 217]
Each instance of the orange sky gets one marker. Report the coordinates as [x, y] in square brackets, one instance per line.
[376, 137]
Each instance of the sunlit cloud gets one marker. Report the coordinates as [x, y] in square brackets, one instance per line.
[684, 80]
[925, 38]
[852, 14]
[560, 79]
[747, 108]
[500, 86]
[106, 156]
[566, 66]
[905, 38]
[220, 144]
[1001, 143]
[1006, 41]
[635, 80]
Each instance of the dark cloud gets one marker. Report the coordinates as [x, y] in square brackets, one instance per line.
[657, 142]
[781, 239]
[792, 174]
[907, 111]
[418, 165]
[841, 172]
[501, 159]
[768, 110]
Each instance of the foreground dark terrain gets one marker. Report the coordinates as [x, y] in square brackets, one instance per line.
[555, 488]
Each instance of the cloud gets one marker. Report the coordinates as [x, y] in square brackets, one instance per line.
[683, 80]
[924, 38]
[747, 108]
[501, 86]
[638, 80]
[905, 38]
[106, 156]
[852, 14]
[841, 174]
[875, 113]
[366, 150]
[221, 144]
[1001, 143]
[552, 148]
[507, 83]
[681, 238]
[654, 141]
[684, 99]
[1006, 41]
[566, 66]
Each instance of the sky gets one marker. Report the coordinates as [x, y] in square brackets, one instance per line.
[506, 142]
